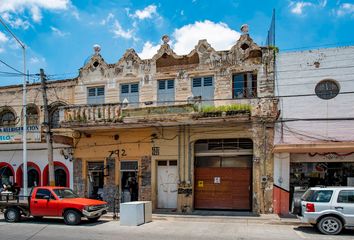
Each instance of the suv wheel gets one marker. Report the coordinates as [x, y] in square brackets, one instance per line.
[330, 225]
[72, 217]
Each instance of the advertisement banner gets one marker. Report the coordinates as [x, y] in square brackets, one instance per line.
[14, 134]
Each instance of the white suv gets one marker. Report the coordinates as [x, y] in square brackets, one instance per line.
[329, 208]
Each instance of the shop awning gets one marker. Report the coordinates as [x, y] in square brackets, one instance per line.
[340, 147]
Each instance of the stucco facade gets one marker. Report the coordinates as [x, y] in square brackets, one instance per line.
[11, 154]
[124, 128]
[313, 131]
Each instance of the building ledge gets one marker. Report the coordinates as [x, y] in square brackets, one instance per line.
[340, 147]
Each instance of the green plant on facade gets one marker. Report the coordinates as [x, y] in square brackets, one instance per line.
[227, 108]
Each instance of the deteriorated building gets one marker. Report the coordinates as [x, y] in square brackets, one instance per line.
[187, 132]
[11, 120]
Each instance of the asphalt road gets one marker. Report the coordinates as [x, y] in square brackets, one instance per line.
[55, 229]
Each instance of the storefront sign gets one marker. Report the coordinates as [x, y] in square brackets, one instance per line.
[217, 180]
[200, 184]
[14, 134]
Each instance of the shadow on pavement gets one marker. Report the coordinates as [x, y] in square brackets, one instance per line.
[57, 221]
[313, 231]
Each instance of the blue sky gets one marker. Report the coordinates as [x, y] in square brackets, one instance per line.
[60, 33]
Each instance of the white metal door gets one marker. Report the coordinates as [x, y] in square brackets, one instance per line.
[167, 178]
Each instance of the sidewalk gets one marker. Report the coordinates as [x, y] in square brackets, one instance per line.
[231, 217]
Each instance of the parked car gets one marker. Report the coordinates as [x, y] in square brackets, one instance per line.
[329, 208]
[53, 202]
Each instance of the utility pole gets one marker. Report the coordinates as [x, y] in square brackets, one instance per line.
[48, 133]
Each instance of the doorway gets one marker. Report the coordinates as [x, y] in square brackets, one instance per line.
[129, 181]
[167, 180]
[95, 179]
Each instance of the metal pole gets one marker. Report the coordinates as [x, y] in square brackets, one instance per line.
[24, 131]
[24, 103]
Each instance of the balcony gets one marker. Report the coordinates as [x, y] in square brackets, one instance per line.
[115, 116]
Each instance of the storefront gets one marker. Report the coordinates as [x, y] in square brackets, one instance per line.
[294, 173]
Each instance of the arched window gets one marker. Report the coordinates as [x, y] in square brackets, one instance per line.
[32, 115]
[60, 177]
[54, 119]
[33, 178]
[7, 117]
[6, 175]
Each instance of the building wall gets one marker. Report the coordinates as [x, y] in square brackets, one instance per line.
[297, 74]
[176, 142]
[312, 120]
[37, 154]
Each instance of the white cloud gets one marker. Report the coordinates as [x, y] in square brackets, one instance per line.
[219, 35]
[3, 38]
[36, 14]
[109, 18]
[346, 9]
[120, 32]
[322, 3]
[149, 50]
[15, 9]
[15, 22]
[147, 12]
[58, 32]
[297, 7]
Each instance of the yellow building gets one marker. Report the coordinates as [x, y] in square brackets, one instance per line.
[187, 132]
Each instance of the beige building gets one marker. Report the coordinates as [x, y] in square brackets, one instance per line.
[187, 132]
[60, 93]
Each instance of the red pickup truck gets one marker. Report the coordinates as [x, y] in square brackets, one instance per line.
[53, 202]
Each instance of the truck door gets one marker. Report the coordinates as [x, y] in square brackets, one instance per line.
[44, 203]
[345, 205]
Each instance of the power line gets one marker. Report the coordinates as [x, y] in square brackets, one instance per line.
[7, 65]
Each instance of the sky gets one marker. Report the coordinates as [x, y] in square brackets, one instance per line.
[59, 34]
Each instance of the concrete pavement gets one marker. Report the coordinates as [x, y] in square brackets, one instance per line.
[162, 228]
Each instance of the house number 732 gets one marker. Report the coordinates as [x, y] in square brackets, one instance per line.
[121, 153]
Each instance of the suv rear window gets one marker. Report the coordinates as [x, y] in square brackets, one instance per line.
[317, 196]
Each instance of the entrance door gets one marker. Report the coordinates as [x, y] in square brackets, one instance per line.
[129, 181]
[167, 178]
[95, 179]
[223, 188]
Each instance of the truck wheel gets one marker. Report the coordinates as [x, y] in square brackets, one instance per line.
[330, 225]
[94, 219]
[12, 215]
[72, 217]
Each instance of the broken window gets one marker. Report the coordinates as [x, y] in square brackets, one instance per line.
[244, 85]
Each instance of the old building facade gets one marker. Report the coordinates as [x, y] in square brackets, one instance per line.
[11, 148]
[314, 134]
[187, 132]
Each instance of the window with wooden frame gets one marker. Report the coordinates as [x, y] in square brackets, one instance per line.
[244, 85]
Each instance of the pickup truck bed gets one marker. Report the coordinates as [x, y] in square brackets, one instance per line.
[21, 202]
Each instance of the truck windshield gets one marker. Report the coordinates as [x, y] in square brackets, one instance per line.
[65, 193]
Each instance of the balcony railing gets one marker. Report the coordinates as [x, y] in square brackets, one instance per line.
[90, 113]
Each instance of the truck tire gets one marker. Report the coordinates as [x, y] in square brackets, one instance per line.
[330, 225]
[12, 215]
[94, 219]
[72, 217]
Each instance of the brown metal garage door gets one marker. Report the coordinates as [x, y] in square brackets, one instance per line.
[222, 188]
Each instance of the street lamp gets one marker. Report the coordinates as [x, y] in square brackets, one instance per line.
[24, 103]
